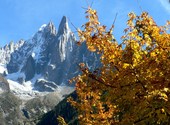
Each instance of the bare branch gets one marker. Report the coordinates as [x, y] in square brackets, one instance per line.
[72, 24]
[139, 6]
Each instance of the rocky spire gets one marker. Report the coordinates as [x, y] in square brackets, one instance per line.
[48, 28]
[63, 27]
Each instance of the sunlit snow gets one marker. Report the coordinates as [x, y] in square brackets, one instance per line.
[42, 27]
[26, 91]
[2, 68]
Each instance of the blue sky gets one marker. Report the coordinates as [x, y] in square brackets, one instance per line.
[20, 19]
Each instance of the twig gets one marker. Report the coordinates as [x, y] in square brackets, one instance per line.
[139, 6]
[94, 77]
[84, 8]
[114, 21]
[91, 3]
[72, 24]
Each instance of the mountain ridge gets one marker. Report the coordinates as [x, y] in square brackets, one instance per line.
[51, 54]
[38, 69]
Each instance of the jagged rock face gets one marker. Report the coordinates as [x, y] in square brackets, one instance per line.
[5, 52]
[29, 68]
[66, 55]
[62, 53]
[36, 46]
[53, 55]
[43, 85]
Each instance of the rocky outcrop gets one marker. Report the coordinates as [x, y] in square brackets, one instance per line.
[7, 50]
[29, 68]
[43, 85]
[4, 85]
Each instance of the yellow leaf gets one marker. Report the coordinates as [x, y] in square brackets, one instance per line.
[92, 48]
[125, 65]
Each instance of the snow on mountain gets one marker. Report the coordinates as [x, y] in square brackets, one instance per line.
[47, 60]
[3, 68]
[26, 90]
[7, 50]
[39, 51]
[32, 47]
[38, 69]
[42, 27]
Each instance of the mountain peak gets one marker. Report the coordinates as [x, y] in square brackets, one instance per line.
[52, 28]
[48, 28]
[50, 24]
[63, 27]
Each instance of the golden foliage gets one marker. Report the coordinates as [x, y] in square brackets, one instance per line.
[61, 121]
[132, 86]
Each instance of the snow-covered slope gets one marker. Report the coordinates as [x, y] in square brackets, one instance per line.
[26, 91]
[5, 52]
[3, 68]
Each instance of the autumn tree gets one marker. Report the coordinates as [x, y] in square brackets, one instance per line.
[132, 85]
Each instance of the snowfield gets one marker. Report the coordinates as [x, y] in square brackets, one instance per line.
[26, 90]
[2, 68]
